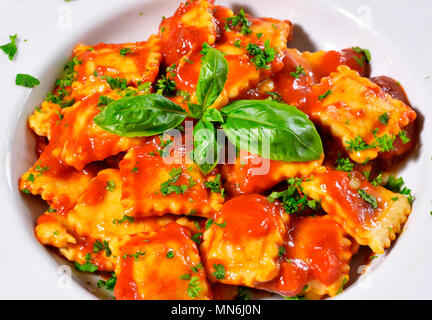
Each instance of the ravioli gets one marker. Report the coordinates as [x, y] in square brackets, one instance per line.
[57, 183]
[77, 140]
[136, 63]
[253, 174]
[244, 240]
[340, 197]
[314, 260]
[164, 264]
[157, 181]
[352, 110]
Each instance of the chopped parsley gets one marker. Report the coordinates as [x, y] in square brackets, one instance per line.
[97, 246]
[194, 287]
[403, 136]
[211, 221]
[378, 180]
[299, 71]
[368, 198]
[125, 218]
[344, 281]
[365, 55]
[204, 49]
[108, 284]
[215, 185]
[169, 186]
[185, 276]
[110, 185]
[261, 57]
[116, 83]
[357, 144]
[281, 251]
[274, 96]
[344, 164]
[197, 267]
[384, 118]
[52, 210]
[239, 20]
[31, 177]
[219, 272]
[87, 266]
[41, 170]
[125, 51]
[384, 142]
[10, 48]
[237, 43]
[294, 199]
[145, 86]
[166, 86]
[397, 185]
[325, 95]
[26, 80]
[170, 254]
[197, 238]
[104, 100]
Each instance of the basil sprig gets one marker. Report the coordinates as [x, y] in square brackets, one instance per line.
[251, 125]
[140, 116]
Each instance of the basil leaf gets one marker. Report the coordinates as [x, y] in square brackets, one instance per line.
[196, 110]
[211, 81]
[10, 48]
[288, 132]
[140, 116]
[206, 150]
[26, 80]
[213, 115]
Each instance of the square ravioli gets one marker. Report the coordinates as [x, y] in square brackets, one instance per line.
[128, 63]
[372, 215]
[95, 220]
[241, 245]
[57, 183]
[359, 113]
[314, 259]
[77, 140]
[98, 69]
[253, 174]
[164, 264]
[157, 181]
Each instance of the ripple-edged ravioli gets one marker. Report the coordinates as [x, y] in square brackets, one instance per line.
[160, 178]
[184, 32]
[315, 258]
[98, 69]
[77, 140]
[98, 216]
[59, 184]
[244, 241]
[253, 174]
[243, 73]
[164, 264]
[359, 113]
[371, 215]
[134, 62]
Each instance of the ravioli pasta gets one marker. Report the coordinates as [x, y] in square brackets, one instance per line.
[142, 213]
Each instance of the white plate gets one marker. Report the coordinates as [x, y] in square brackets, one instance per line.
[396, 32]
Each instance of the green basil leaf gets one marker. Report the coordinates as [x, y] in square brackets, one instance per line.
[288, 132]
[211, 81]
[26, 80]
[140, 116]
[196, 110]
[213, 115]
[206, 150]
